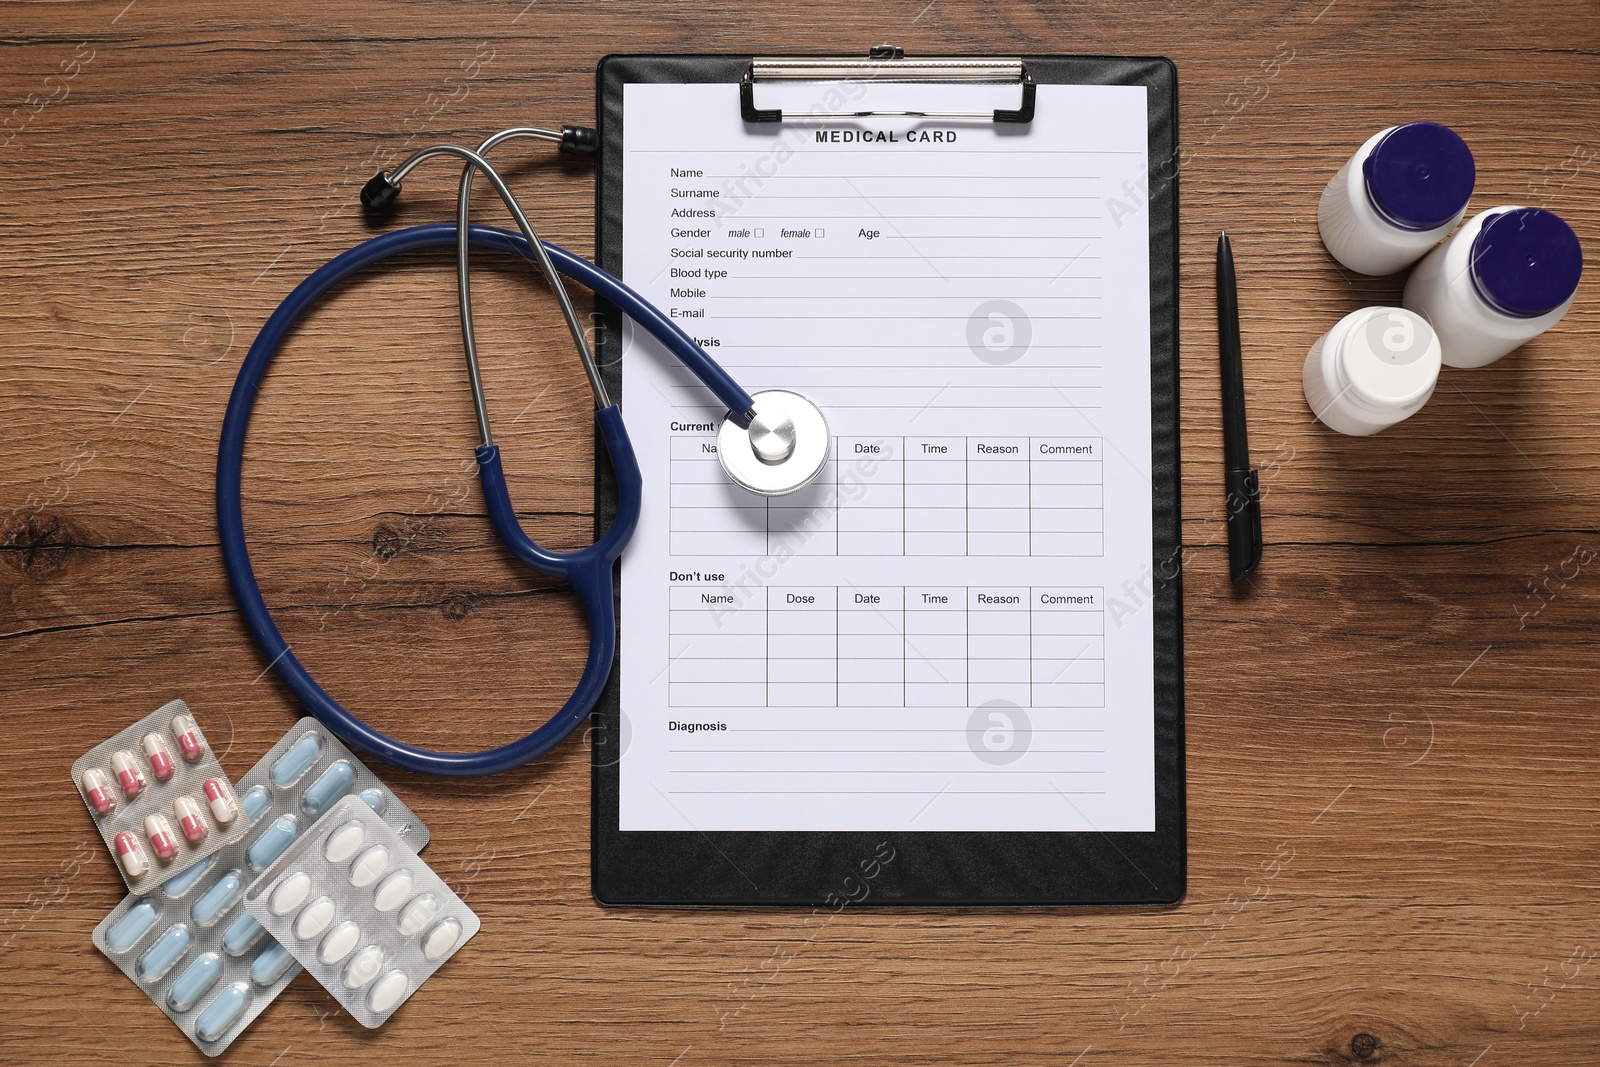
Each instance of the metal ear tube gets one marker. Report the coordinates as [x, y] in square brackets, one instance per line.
[772, 443]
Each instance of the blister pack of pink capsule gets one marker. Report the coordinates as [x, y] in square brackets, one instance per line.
[191, 947]
[157, 793]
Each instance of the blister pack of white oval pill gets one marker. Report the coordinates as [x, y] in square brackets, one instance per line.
[201, 957]
[360, 911]
[158, 796]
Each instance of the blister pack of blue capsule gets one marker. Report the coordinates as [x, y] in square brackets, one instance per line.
[189, 944]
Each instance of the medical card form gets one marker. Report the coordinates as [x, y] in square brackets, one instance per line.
[950, 629]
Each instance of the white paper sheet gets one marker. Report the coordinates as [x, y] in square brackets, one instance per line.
[950, 630]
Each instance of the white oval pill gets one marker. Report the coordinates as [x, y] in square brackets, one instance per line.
[371, 863]
[441, 939]
[392, 891]
[315, 919]
[340, 942]
[290, 894]
[363, 967]
[416, 916]
[344, 841]
[387, 991]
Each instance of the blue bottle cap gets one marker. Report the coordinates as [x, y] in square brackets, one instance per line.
[1420, 175]
[1526, 262]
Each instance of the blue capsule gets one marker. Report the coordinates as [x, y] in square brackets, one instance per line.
[195, 982]
[222, 1013]
[333, 784]
[270, 845]
[184, 880]
[159, 957]
[375, 799]
[218, 899]
[255, 803]
[244, 932]
[295, 762]
[270, 965]
[132, 926]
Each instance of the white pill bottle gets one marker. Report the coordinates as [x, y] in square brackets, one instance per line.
[1401, 193]
[1505, 278]
[1376, 367]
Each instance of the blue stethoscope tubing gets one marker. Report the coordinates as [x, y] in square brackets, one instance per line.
[587, 570]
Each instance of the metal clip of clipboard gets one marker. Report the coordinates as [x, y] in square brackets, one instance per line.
[887, 63]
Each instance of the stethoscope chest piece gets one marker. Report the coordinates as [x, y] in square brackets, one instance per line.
[782, 450]
[777, 443]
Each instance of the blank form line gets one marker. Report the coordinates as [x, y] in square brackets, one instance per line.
[765, 197]
[940, 299]
[1041, 277]
[870, 770]
[979, 236]
[811, 317]
[948, 407]
[889, 792]
[761, 365]
[924, 176]
[893, 730]
[686, 376]
[922, 347]
[796, 383]
[940, 216]
[1004, 256]
[867, 751]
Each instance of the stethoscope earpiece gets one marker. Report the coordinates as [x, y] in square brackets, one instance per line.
[777, 443]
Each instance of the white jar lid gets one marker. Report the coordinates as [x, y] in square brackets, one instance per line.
[1390, 357]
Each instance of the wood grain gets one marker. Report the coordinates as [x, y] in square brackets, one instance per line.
[1391, 736]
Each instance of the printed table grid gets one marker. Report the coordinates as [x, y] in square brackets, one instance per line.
[885, 646]
[901, 496]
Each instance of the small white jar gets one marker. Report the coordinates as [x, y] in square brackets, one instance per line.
[1376, 367]
[1508, 276]
[1398, 196]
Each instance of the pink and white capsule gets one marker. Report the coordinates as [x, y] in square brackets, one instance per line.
[223, 808]
[126, 768]
[130, 855]
[97, 787]
[188, 736]
[190, 818]
[159, 831]
[160, 758]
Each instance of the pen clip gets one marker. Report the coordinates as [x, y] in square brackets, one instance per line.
[1244, 522]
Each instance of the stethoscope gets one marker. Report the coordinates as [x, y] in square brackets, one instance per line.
[772, 443]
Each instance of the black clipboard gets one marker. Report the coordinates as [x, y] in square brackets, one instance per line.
[830, 869]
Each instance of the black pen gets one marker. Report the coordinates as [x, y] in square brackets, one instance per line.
[1241, 483]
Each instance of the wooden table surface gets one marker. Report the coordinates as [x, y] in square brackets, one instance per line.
[1394, 853]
